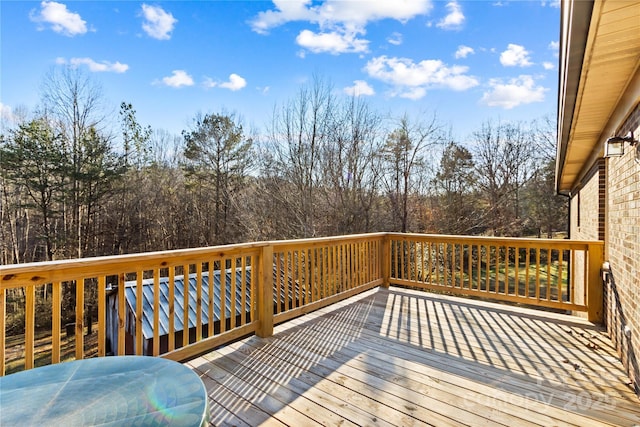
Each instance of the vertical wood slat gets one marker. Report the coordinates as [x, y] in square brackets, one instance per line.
[318, 260]
[445, 263]
[346, 279]
[361, 264]
[80, 318]
[470, 264]
[517, 271]
[211, 301]
[548, 274]
[265, 293]
[294, 281]
[121, 314]
[185, 306]
[3, 342]
[437, 262]
[336, 275]
[572, 278]
[348, 265]
[527, 274]
[429, 250]
[156, 312]
[402, 275]
[289, 291]
[488, 267]
[172, 307]
[243, 290]
[354, 265]
[308, 275]
[198, 301]
[538, 255]
[478, 267]
[139, 302]
[255, 280]
[234, 288]
[56, 297]
[223, 295]
[313, 273]
[560, 262]
[299, 279]
[279, 295]
[585, 273]
[461, 265]
[507, 251]
[595, 292]
[345, 268]
[29, 325]
[325, 270]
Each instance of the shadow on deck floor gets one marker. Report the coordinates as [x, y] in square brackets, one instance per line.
[402, 357]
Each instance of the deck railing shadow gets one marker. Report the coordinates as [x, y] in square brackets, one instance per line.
[511, 351]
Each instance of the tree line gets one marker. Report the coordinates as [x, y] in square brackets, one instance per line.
[74, 185]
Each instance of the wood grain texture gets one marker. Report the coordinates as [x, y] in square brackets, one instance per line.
[404, 357]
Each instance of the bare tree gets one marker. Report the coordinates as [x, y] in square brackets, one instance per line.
[403, 157]
[504, 156]
[352, 167]
[74, 102]
[297, 138]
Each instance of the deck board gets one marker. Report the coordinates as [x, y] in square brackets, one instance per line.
[403, 357]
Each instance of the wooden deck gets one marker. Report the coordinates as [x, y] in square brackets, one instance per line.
[402, 357]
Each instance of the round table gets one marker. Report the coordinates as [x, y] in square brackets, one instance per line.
[117, 391]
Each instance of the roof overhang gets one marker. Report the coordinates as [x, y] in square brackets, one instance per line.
[599, 82]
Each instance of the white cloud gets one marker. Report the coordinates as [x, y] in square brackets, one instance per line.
[178, 78]
[158, 23]
[59, 18]
[328, 14]
[235, 82]
[413, 93]
[548, 65]
[454, 19]
[340, 23]
[515, 55]
[554, 46]
[6, 113]
[552, 3]
[331, 42]
[411, 80]
[359, 88]
[395, 39]
[517, 91]
[95, 67]
[463, 51]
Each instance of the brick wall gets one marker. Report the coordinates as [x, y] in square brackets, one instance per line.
[622, 250]
[587, 220]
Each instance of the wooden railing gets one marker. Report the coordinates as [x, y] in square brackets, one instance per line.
[236, 290]
[560, 274]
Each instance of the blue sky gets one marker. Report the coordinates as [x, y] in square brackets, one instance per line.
[467, 61]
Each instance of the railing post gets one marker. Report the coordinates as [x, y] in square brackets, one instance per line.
[595, 293]
[265, 293]
[385, 259]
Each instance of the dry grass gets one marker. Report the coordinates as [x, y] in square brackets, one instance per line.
[15, 351]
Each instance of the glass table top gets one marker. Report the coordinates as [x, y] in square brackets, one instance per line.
[117, 391]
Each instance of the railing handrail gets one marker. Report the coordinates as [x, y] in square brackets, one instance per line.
[18, 275]
[314, 272]
[564, 243]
